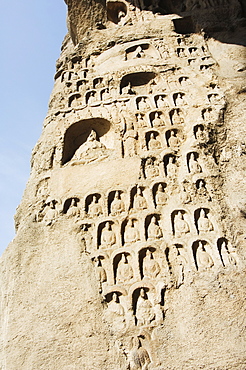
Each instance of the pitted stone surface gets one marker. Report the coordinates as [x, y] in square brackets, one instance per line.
[130, 244]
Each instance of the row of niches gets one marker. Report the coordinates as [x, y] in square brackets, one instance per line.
[120, 203]
[134, 283]
[142, 103]
[153, 262]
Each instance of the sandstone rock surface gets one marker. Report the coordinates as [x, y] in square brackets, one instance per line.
[130, 237]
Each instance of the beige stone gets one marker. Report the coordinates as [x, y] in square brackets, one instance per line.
[130, 244]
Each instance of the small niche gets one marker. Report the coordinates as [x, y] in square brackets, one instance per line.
[202, 258]
[180, 52]
[106, 236]
[192, 163]
[161, 101]
[91, 97]
[179, 224]
[152, 139]
[202, 221]
[156, 118]
[129, 231]
[92, 204]
[142, 103]
[152, 227]
[98, 82]
[123, 272]
[141, 256]
[81, 84]
[115, 203]
[73, 99]
[69, 202]
[170, 164]
[151, 168]
[176, 116]
[172, 139]
[159, 194]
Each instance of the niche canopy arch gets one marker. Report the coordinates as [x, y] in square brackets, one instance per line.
[78, 133]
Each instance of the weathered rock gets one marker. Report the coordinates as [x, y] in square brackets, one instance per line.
[130, 244]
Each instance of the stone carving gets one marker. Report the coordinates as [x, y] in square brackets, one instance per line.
[85, 237]
[151, 267]
[91, 150]
[124, 270]
[203, 258]
[151, 169]
[154, 230]
[142, 104]
[228, 257]
[131, 232]
[154, 143]
[50, 214]
[194, 166]
[130, 141]
[108, 237]
[176, 117]
[127, 90]
[160, 196]
[173, 141]
[171, 167]
[204, 224]
[100, 272]
[115, 313]
[139, 202]
[138, 358]
[202, 191]
[144, 309]
[73, 210]
[94, 208]
[181, 227]
[117, 205]
[157, 120]
[178, 267]
[161, 101]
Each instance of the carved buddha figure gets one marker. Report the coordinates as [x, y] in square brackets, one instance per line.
[131, 233]
[139, 202]
[157, 121]
[153, 143]
[100, 273]
[151, 268]
[180, 225]
[85, 238]
[151, 169]
[194, 165]
[115, 313]
[204, 260]
[203, 223]
[108, 237]
[139, 357]
[201, 135]
[94, 209]
[173, 141]
[124, 270]
[177, 118]
[127, 89]
[179, 99]
[202, 190]
[144, 309]
[161, 102]
[140, 120]
[91, 149]
[228, 257]
[117, 205]
[178, 267]
[154, 230]
[143, 104]
[171, 167]
[130, 141]
[51, 214]
[73, 209]
[160, 196]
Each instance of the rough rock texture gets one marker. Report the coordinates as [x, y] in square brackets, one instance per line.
[130, 244]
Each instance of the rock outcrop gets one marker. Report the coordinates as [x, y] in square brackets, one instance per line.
[130, 244]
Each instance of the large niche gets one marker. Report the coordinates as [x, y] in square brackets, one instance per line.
[78, 133]
[137, 81]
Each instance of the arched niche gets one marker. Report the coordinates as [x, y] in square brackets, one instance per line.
[68, 203]
[137, 80]
[114, 9]
[78, 133]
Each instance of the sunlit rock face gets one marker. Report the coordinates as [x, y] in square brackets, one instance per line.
[130, 244]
